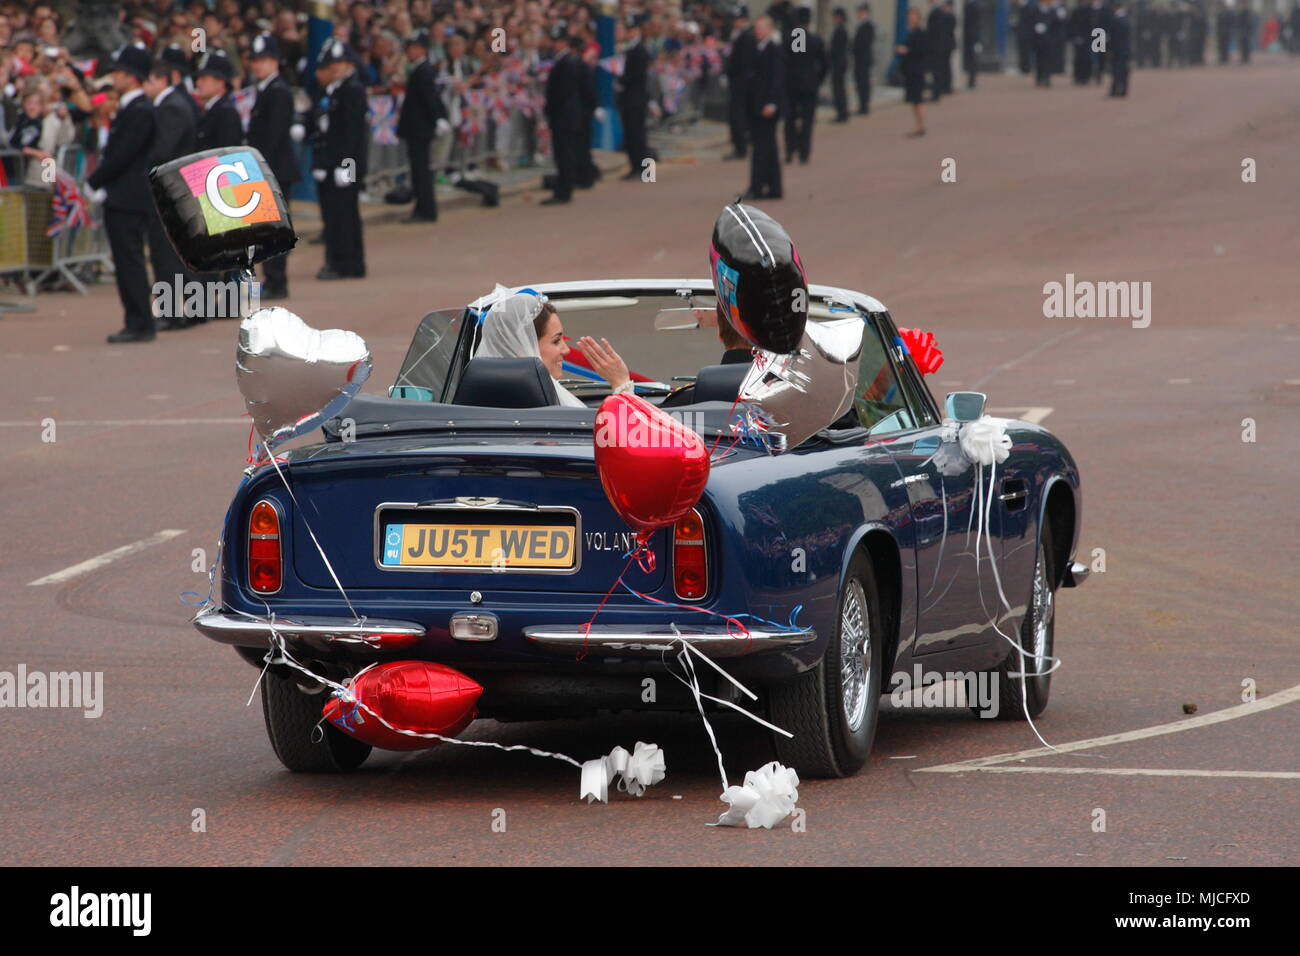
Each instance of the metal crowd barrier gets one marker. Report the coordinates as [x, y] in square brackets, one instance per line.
[80, 251]
[35, 259]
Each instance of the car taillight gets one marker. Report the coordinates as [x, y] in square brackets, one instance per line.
[690, 560]
[265, 573]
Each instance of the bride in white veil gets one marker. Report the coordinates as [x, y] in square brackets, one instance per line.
[526, 325]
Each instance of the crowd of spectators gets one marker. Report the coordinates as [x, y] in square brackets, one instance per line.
[494, 54]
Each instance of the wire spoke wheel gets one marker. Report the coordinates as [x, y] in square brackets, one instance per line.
[855, 655]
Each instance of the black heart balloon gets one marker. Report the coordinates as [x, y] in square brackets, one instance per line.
[759, 279]
[222, 209]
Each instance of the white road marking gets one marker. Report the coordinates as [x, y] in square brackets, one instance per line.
[1034, 414]
[108, 557]
[123, 422]
[1282, 697]
[1028, 355]
[1142, 772]
[1180, 381]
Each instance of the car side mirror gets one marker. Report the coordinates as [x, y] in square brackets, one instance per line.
[964, 406]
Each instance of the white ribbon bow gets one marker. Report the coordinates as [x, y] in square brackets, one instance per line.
[767, 797]
[985, 440]
[642, 768]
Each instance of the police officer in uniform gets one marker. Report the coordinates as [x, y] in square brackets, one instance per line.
[972, 21]
[1042, 18]
[633, 96]
[1025, 18]
[767, 101]
[423, 117]
[121, 183]
[806, 67]
[1079, 31]
[219, 125]
[1119, 38]
[739, 69]
[864, 57]
[840, 65]
[271, 129]
[174, 137]
[339, 161]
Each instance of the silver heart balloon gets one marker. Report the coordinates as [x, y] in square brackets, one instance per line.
[805, 391]
[293, 377]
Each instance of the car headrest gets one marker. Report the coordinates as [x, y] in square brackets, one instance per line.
[720, 383]
[505, 383]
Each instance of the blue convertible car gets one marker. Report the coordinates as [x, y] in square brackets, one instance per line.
[465, 520]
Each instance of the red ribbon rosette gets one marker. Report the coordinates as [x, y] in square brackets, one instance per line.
[924, 352]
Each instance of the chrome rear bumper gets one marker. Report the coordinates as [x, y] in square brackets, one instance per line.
[606, 640]
[374, 632]
[618, 640]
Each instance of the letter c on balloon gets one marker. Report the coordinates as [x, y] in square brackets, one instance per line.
[214, 194]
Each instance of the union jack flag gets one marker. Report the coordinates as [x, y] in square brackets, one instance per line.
[383, 119]
[70, 209]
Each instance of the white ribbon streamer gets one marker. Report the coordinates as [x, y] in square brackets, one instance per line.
[986, 442]
[767, 797]
[642, 768]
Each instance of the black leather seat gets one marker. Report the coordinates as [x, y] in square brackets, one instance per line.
[506, 383]
[720, 383]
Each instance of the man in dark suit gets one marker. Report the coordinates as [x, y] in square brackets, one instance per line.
[840, 64]
[633, 97]
[1225, 24]
[423, 117]
[178, 64]
[1246, 31]
[220, 124]
[864, 57]
[806, 66]
[121, 183]
[270, 131]
[1120, 40]
[588, 171]
[339, 161]
[565, 93]
[941, 28]
[739, 69]
[972, 22]
[767, 101]
[174, 137]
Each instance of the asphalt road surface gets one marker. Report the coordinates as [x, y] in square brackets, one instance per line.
[1198, 526]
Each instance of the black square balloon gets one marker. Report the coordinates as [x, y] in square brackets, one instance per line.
[219, 204]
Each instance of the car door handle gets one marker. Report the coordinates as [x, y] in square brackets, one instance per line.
[1014, 493]
[910, 480]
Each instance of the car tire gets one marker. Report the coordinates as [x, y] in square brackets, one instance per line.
[291, 717]
[1037, 635]
[832, 738]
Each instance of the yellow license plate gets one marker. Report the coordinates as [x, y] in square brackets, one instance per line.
[477, 546]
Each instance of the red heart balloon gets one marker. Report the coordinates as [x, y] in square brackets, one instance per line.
[652, 467]
[411, 695]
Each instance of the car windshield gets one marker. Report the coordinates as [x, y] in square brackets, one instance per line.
[662, 336]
